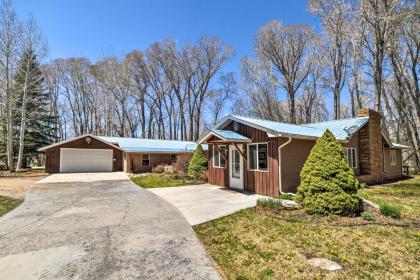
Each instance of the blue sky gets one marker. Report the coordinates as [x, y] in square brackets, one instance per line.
[94, 28]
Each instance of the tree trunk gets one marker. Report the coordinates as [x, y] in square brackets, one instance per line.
[23, 119]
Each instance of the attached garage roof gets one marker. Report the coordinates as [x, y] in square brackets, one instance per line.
[152, 145]
[137, 144]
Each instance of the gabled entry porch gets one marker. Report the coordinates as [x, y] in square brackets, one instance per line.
[228, 157]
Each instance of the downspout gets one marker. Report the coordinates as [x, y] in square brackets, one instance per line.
[280, 177]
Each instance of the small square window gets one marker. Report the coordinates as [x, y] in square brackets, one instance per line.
[173, 158]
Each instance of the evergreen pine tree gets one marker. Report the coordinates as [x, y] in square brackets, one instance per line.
[328, 184]
[32, 106]
[198, 162]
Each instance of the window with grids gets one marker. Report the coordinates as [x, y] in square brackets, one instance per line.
[351, 155]
[145, 160]
[258, 157]
[218, 159]
[392, 157]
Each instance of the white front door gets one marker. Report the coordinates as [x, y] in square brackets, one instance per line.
[236, 177]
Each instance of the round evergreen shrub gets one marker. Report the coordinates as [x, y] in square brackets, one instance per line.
[328, 184]
[198, 163]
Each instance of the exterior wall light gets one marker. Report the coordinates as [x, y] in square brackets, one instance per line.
[88, 140]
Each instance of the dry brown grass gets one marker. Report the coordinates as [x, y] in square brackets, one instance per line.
[16, 187]
[267, 244]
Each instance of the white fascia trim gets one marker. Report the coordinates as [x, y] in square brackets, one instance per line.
[296, 136]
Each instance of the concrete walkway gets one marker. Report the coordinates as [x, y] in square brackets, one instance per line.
[98, 226]
[203, 203]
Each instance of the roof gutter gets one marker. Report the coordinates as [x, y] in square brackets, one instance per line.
[280, 177]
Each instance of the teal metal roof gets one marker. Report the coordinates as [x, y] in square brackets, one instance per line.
[152, 145]
[342, 129]
[230, 135]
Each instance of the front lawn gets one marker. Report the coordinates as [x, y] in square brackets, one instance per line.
[7, 204]
[259, 243]
[158, 180]
[405, 195]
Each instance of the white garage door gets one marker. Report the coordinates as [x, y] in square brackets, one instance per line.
[85, 160]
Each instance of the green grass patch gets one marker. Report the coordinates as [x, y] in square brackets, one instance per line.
[367, 216]
[269, 203]
[405, 196]
[261, 243]
[157, 180]
[390, 210]
[7, 204]
[286, 196]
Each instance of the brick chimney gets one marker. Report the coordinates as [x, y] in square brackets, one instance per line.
[371, 161]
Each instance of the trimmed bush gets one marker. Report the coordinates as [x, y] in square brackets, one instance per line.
[198, 163]
[328, 185]
[367, 216]
[389, 210]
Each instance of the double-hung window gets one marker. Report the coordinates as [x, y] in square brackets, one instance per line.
[258, 157]
[145, 160]
[351, 155]
[219, 156]
[392, 157]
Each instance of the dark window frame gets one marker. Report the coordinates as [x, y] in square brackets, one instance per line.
[145, 158]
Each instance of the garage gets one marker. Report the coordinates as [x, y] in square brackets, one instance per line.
[85, 160]
[85, 153]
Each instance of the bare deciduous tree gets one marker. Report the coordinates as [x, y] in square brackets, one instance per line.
[287, 47]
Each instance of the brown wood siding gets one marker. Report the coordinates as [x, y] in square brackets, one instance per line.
[217, 175]
[396, 170]
[52, 162]
[264, 182]
[294, 156]
[261, 182]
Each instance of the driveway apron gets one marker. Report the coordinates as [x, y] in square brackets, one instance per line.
[98, 226]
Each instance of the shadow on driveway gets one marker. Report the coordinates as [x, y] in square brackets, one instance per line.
[98, 226]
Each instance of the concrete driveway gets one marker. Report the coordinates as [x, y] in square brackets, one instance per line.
[98, 226]
[203, 203]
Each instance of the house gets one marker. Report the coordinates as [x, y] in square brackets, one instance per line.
[266, 157]
[89, 153]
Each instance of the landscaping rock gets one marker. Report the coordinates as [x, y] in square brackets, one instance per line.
[169, 169]
[289, 204]
[325, 264]
[368, 205]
